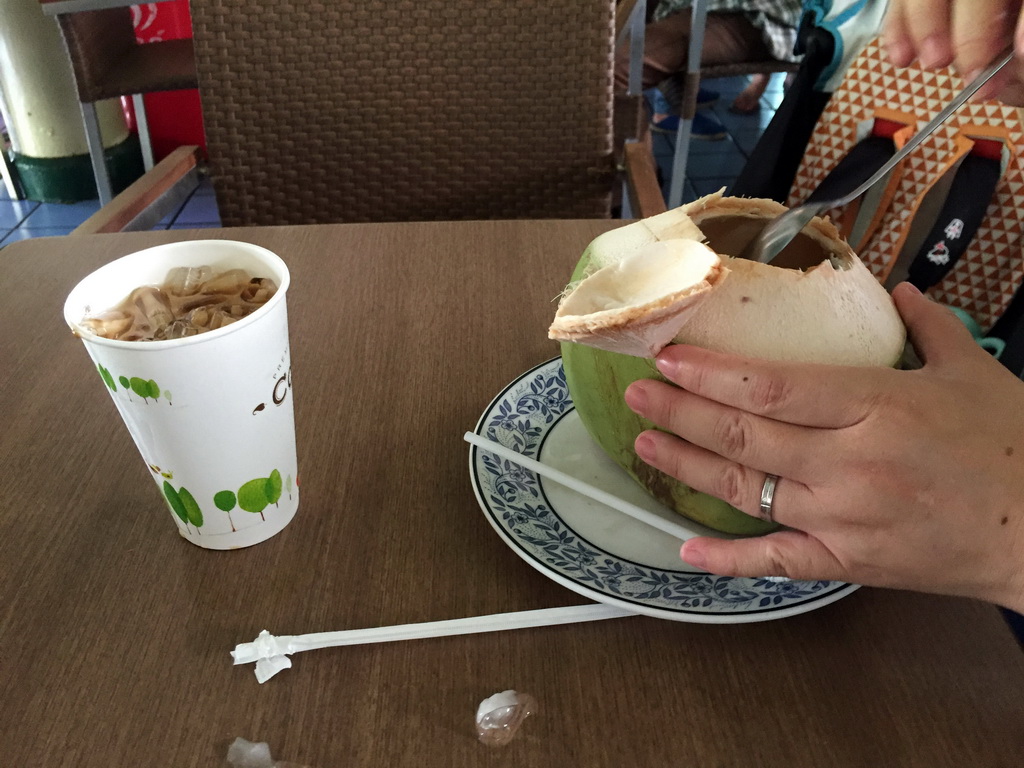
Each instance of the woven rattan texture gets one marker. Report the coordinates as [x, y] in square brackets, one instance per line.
[401, 111]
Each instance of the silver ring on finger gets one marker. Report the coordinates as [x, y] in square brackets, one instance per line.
[768, 498]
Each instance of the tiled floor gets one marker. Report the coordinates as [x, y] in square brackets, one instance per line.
[716, 164]
[22, 219]
[711, 165]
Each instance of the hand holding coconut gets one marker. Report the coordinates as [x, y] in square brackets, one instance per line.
[780, 403]
[907, 479]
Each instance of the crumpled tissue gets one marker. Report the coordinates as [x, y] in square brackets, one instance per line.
[247, 754]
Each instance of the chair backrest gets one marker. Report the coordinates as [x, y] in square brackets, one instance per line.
[108, 62]
[96, 41]
[394, 110]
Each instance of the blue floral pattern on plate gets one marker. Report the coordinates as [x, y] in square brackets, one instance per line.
[514, 501]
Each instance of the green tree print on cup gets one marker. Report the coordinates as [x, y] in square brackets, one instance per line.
[184, 505]
[107, 378]
[254, 496]
[225, 500]
[274, 487]
[145, 389]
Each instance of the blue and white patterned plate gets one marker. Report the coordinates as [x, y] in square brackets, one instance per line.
[589, 547]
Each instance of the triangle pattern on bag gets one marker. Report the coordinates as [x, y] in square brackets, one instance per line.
[988, 274]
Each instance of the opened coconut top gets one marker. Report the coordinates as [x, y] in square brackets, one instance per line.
[671, 278]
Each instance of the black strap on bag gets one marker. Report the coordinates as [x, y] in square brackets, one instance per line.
[859, 164]
[962, 213]
[974, 185]
[1010, 328]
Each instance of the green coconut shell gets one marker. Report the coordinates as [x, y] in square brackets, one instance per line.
[597, 381]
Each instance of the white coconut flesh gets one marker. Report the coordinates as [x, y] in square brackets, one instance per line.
[634, 305]
[636, 297]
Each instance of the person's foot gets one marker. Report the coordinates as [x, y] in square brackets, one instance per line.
[745, 104]
[749, 100]
[703, 128]
[662, 123]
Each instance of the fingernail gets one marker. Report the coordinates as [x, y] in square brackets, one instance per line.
[636, 398]
[668, 367]
[645, 447]
[693, 556]
[900, 52]
[933, 52]
[913, 289]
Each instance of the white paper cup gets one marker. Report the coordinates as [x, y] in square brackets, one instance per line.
[211, 414]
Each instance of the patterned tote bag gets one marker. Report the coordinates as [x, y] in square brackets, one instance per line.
[950, 217]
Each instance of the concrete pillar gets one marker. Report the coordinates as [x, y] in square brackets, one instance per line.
[42, 107]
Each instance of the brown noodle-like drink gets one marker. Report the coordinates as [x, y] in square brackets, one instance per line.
[191, 300]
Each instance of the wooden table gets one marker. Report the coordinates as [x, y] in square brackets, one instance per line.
[115, 632]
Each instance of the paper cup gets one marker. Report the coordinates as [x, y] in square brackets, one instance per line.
[211, 414]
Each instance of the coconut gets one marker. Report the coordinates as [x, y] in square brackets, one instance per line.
[673, 278]
[636, 306]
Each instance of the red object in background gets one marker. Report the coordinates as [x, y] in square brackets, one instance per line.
[175, 117]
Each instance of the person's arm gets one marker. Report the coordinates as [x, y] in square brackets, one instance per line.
[966, 33]
[907, 479]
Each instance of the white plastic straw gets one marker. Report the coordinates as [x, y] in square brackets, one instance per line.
[623, 506]
[627, 508]
[271, 653]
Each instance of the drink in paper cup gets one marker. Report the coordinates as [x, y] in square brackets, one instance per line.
[211, 413]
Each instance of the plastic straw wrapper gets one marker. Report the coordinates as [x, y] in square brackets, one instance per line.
[271, 653]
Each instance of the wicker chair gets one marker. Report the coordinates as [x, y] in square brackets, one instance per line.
[375, 110]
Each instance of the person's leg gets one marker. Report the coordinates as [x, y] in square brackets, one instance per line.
[728, 38]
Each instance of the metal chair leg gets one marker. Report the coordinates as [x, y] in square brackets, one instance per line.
[636, 31]
[699, 17]
[142, 123]
[682, 151]
[6, 165]
[95, 142]
[7, 172]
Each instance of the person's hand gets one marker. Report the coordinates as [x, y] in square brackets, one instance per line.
[966, 33]
[908, 479]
